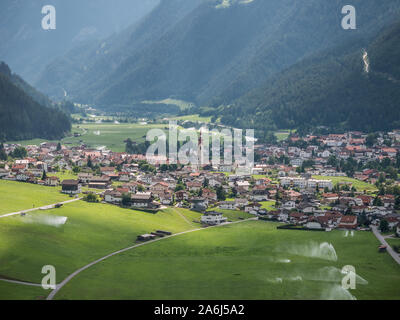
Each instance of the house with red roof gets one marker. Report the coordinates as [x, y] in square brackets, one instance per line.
[348, 222]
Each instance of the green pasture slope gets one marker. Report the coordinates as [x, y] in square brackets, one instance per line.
[17, 196]
[248, 260]
[359, 185]
[110, 135]
[90, 232]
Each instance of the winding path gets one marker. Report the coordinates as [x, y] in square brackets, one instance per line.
[74, 274]
[389, 249]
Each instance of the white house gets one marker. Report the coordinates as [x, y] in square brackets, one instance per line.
[213, 218]
[227, 205]
[289, 205]
[112, 197]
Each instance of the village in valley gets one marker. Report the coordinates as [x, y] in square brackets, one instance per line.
[323, 182]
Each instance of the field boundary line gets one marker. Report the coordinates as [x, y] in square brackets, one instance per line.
[184, 218]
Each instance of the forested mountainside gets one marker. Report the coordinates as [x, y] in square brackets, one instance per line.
[21, 117]
[37, 96]
[354, 86]
[205, 52]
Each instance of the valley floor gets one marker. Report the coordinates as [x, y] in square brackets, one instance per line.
[247, 260]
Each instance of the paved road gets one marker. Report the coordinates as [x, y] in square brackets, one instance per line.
[74, 274]
[50, 206]
[389, 249]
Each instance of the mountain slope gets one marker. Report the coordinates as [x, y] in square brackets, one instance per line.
[340, 88]
[37, 96]
[28, 48]
[83, 72]
[23, 118]
[207, 53]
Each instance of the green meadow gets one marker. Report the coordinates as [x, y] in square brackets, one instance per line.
[359, 185]
[282, 134]
[17, 196]
[89, 232]
[268, 205]
[12, 291]
[110, 135]
[248, 260]
[192, 118]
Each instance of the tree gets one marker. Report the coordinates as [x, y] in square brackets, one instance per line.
[19, 152]
[397, 203]
[384, 226]
[363, 219]
[221, 196]
[89, 162]
[91, 197]
[371, 139]
[126, 199]
[58, 146]
[377, 202]
[3, 154]
[44, 175]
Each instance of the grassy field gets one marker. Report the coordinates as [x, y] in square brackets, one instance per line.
[233, 215]
[110, 135]
[90, 232]
[193, 118]
[359, 185]
[268, 205]
[64, 175]
[11, 291]
[393, 241]
[282, 135]
[250, 260]
[16, 196]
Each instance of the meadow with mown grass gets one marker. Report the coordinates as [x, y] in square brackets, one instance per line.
[16, 196]
[248, 260]
[108, 134]
[359, 185]
[76, 234]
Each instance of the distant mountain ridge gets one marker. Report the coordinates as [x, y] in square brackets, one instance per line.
[202, 52]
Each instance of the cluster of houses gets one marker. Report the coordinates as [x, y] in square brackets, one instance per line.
[294, 198]
[342, 146]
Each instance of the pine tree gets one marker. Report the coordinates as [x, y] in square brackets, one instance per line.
[3, 154]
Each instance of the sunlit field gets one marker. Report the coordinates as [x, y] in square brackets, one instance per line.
[249, 260]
